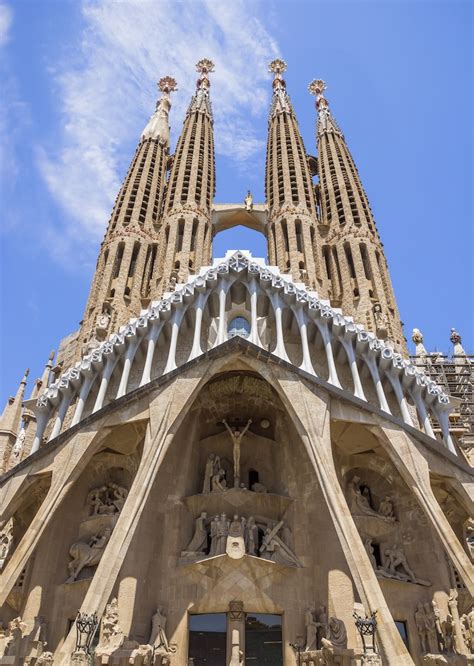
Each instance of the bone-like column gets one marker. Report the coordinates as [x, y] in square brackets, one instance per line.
[324, 330]
[303, 328]
[127, 366]
[222, 291]
[42, 419]
[253, 289]
[422, 411]
[374, 372]
[164, 410]
[351, 357]
[104, 382]
[153, 336]
[199, 310]
[311, 417]
[443, 419]
[402, 401]
[176, 320]
[83, 395]
[62, 409]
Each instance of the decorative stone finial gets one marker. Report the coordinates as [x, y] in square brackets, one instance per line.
[205, 66]
[317, 87]
[167, 84]
[417, 336]
[277, 66]
[455, 337]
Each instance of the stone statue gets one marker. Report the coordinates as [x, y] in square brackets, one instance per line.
[420, 621]
[107, 500]
[213, 535]
[386, 508]
[212, 468]
[17, 449]
[111, 635]
[235, 547]
[395, 559]
[45, 658]
[430, 626]
[222, 531]
[248, 201]
[370, 552]
[380, 320]
[311, 629]
[469, 536]
[251, 542]
[158, 638]
[322, 620]
[237, 435]
[218, 483]
[274, 549]
[337, 633]
[457, 632]
[236, 655]
[87, 554]
[198, 544]
[438, 626]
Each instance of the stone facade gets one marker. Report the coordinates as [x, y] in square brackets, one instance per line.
[231, 445]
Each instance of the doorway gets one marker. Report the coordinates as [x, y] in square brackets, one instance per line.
[207, 639]
[263, 640]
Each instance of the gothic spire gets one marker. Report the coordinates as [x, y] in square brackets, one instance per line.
[185, 237]
[289, 191]
[10, 423]
[158, 125]
[355, 265]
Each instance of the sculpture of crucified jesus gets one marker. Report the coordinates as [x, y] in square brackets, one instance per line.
[237, 436]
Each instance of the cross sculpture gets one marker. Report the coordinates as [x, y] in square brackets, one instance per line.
[237, 435]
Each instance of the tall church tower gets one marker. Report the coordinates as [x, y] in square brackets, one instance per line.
[122, 281]
[185, 237]
[353, 254]
[289, 191]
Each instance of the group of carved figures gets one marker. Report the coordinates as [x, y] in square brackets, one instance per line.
[259, 537]
[156, 650]
[322, 632]
[394, 563]
[362, 503]
[107, 500]
[215, 476]
[16, 641]
[454, 635]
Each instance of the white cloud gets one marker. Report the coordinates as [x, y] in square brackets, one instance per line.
[107, 92]
[6, 18]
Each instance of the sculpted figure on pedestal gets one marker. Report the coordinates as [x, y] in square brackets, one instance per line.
[218, 483]
[311, 629]
[337, 633]
[251, 537]
[430, 627]
[469, 536]
[273, 548]
[421, 628]
[87, 554]
[212, 468]
[158, 638]
[457, 633]
[198, 543]
[438, 626]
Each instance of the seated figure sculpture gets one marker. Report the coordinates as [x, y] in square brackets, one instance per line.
[87, 554]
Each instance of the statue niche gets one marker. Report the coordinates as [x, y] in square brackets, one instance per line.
[102, 508]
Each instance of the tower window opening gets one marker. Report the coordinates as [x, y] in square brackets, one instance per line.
[118, 260]
[338, 267]
[180, 235]
[193, 235]
[284, 228]
[350, 260]
[133, 260]
[299, 236]
[365, 261]
[327, 260]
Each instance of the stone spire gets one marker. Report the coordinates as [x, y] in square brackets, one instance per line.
[289, 191]
[122, 283]
[185, 236]
[29, 417]
[10, 423]
[356, 270]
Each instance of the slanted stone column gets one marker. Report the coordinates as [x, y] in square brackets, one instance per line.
[165, 408]
[310, 412]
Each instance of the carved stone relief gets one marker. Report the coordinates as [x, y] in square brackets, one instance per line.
[6, 541]
[106, 500]
[236, 536]
[87, 554]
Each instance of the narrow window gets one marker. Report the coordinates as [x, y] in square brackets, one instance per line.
[365, 261]
[180, 235]
[299, 236]
[118, 260]
[327, 260]
[285, 235]
[350, 261]
[133, 260]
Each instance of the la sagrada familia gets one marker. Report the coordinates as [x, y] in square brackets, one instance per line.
[235, 460]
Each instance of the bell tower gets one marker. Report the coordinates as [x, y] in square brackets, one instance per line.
[289, 190]
[122, 281]
[355, 265]
[186, 235]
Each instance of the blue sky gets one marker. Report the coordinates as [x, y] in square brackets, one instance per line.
[78, 85]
